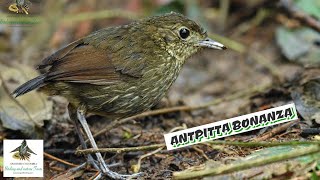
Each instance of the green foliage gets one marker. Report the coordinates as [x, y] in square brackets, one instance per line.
[311, 7]
[127, 135]
[314, 176]
[175, 6]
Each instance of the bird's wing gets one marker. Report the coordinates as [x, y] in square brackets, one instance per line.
[16, 149]
[97, 59]
[30, 151]
[81, 64]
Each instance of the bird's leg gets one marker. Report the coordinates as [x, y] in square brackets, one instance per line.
[73, 116]
[104, 168]
[81, 117]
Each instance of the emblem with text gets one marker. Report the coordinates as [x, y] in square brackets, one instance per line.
[231, 126]
[23, 158]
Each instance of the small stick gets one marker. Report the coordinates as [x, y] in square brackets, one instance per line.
[201, 152]
[57, 169]
[131, 149]
[217, 142]
[300, 15]
[120, 150]
[137, 166]
[58, 159]
[95, 175]
[274, 131]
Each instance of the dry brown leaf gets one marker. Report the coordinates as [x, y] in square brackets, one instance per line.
[26, 112]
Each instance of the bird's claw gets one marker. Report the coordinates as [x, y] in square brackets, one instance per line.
[115, 175]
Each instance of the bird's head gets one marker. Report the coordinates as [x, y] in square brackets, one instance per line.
[180, 36]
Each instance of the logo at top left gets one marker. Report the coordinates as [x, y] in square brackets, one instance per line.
[20, 6]
[22, 158]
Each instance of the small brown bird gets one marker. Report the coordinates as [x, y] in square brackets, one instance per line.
[121, 71]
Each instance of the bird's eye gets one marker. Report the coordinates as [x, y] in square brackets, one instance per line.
[184, 33]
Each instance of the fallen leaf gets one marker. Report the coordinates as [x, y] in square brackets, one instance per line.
[306, 95]
[299, 45]
[24, 113]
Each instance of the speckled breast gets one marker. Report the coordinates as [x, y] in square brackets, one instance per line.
[129, 98]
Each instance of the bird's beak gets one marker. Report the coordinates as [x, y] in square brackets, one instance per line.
[209, 43]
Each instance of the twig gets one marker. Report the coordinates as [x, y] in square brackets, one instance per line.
[201, 152]
[233, 96]
[274, 131]
[224, 12]
[187, 174]
[57, 168]
[137, 166]
[130, 149]
[264, 144]
[217, 142]
[58, 159]
[260, 16]
[95, 175]
[302, 17]
[184, 126]
[120, 150]
[250, 10]
[297, 131]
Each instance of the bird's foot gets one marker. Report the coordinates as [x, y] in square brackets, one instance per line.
[101, 165]
[115, 175]
[94, 164]
[115, 165]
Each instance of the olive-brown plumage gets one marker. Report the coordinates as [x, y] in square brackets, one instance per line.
[120, 71]
[124, 70]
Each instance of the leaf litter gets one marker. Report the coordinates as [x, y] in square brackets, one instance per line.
[220, 74]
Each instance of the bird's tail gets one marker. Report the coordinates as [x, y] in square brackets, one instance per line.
[29, 86]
